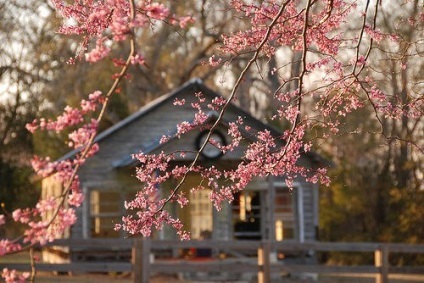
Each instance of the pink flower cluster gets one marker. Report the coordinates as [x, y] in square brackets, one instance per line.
[266, 156]
[12, 276]
[149, 207]
[200, 117]
[106, 22]
[70, 117]
[81, 136]
[289, 27]
[52, 216]
[99, 52]
[45, 230]
[7, 247]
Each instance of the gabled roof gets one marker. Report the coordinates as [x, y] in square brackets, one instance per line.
[193, 86]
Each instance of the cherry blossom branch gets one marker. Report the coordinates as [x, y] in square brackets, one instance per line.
[32, 263]
[361, 33]
[296, 119]
[224, 107]
[368, 52]
[328, 14]
[303, 61]
[101, 114]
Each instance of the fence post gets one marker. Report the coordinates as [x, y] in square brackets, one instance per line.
[264, 274]
[141, 260]
[381, 259]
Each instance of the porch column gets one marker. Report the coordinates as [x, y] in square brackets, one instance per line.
[271, 254]
[315, 199]
[271, 209]
[85, 213]
[300, 214]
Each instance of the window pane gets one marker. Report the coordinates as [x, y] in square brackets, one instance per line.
[284, 214]
[201, 214]
[105, 212]
[105, 202]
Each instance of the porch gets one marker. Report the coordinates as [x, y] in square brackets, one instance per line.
[266, 209]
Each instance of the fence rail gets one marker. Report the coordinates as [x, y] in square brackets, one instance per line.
[263, 265]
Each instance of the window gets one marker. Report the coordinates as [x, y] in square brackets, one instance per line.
[105, 212]
[201, 214]
[284, 213]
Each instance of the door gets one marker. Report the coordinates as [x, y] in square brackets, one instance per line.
[246, 212]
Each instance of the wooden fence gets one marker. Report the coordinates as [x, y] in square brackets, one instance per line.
[263, 262]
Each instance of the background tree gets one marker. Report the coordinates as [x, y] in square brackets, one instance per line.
[378, 183]
[21, 78]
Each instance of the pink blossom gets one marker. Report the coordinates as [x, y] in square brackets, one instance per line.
[41, 232]
[12, 276]
[7, 247]
[32, 127]
[217, 102]
[156, 11]
[98, 53]
[137, 59]
[20, 215]
[183, 128]
[179, 102]
[377, 94]
[214, 62]
[182, 200]
[81, 136]
[184, 235]
[374, 34]
[200, 118]
[45, 205]
[90, 105]
[184, 21]
[163, 139]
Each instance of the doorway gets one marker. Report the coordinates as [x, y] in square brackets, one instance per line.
[246, 212]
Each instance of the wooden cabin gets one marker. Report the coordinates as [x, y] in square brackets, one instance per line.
[266, 209]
